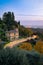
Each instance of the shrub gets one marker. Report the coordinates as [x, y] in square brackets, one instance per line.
[13, 57]
[1, 46]
[39, 46]
[26, 46]
[41, 60]
[16, 56]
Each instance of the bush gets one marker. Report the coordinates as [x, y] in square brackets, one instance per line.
[39, 46]
[41, 60]
[2, 46]
[26, 46]
[16, 56]
[12, 57]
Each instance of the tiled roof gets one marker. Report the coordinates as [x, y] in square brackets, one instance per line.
[11, 31]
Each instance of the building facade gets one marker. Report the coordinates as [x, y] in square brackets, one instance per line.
[12, 34]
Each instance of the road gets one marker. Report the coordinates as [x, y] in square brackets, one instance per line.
[16, 42]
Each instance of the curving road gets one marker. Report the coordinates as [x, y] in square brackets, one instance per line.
[16, 42]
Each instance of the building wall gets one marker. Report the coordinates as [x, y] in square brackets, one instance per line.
[12, 35]
[17, 33]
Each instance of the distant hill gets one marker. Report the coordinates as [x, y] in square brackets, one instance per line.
[36, 28]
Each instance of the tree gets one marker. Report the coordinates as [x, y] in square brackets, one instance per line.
[24, 31]
[7, 23]
[19, 23]
[13, 17]
[4, 17]
[9, 20]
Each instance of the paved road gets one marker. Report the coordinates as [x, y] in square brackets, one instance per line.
[16, 42]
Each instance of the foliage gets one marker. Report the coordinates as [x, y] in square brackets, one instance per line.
[26, 46]
[7, 23]
[30, 31]
[39, 46]
[2, 35]
[19, 23]
[41, 60]
[9, 20]
[2, 46]
[13, 57]
[40, 33]
[16, 56]
[23, 31]
[32, 41]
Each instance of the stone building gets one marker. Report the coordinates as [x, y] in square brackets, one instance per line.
[12, 34]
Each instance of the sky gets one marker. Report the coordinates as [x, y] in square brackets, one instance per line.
[29, 12]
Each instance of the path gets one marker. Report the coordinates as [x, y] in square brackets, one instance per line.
[16, 42]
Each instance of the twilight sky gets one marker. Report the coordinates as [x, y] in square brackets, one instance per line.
[29, 12]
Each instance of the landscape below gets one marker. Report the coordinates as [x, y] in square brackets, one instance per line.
[26, 53]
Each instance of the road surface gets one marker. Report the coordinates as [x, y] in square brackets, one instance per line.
[16, 42]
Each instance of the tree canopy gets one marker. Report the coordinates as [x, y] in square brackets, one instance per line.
[8, 22]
